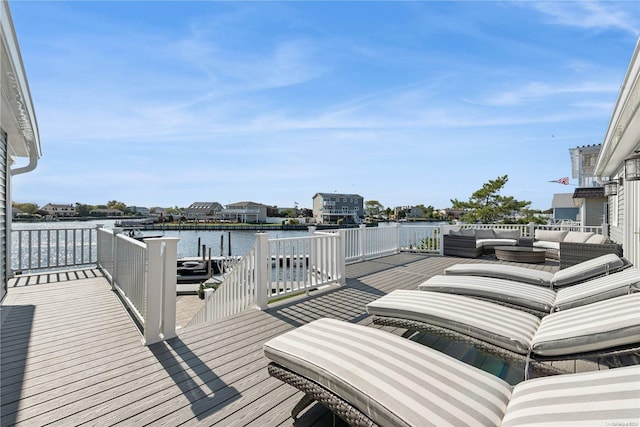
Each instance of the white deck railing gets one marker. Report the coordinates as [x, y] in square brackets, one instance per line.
[40, 249]
[273, 269]
[144, 275]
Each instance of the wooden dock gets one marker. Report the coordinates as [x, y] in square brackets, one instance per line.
[71, 354]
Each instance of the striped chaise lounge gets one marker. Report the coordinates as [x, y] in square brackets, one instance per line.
[604, 328]
[371, 377]
[536, 299]
[595, 267]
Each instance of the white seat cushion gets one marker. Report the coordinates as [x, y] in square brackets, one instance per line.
[394, 381]
[587, 269]
[502, 271]
[597, 326]
[505, 327]
[597, 289]
[495, 242]
[509, 291]
[608, 397]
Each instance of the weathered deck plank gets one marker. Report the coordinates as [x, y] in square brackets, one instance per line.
[71, 354]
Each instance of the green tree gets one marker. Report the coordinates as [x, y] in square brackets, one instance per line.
[486, 205]
[29, 208]
[83, 210]
[373, 207]
[114, 204]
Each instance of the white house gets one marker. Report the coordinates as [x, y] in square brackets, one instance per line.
[19, 137]
[618, 165]
[245, 212]
[59, 210]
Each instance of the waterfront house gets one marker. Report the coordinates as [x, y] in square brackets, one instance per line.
[202, 211]
[19, 137]
[589, 195]
[59, 210]
[328, 208]
[618, 164]
[247, 212]
[563, 207]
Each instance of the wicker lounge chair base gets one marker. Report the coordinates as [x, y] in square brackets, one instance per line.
[314, 392]
[414, 326]
[605, 328]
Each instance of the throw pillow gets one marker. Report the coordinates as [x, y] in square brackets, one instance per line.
[484, 234]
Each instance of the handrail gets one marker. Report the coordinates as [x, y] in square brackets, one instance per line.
[41, 249]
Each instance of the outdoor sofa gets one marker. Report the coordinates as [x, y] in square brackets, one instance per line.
[602, 265]
[569, 247]
[605, 328]
[472, 242]
[535, 299]
[371, 377]
[572, 247]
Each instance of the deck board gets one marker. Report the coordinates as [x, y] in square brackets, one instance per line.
[71, 354]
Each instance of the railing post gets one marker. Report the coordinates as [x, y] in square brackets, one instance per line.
[169, 287]
[341, 256]
[443, 231]
[114, 256]
[363, 241]
[263, 256]
[208, 311]
[532, 229]
[153, 292]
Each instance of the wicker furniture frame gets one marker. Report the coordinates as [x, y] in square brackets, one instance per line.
[526, 254]
[575, 253]
[539, 362]
[314, 392]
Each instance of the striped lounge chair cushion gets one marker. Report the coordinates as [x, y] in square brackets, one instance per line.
[505, 327]
[394, 381]
[601, 325]
[597, 289]
[502, 271]
[598, 398]
[587, 269]
[509, 291]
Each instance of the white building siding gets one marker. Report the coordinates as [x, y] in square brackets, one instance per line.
[4, 261]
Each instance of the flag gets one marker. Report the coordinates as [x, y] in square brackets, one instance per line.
[563, 181]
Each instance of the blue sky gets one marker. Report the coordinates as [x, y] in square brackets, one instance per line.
[167, 103]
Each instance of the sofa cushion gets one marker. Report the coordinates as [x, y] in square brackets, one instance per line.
[506, 234]
[455, 233]
[484, 234]
[469, 232]
[550, 235]
[577, 236]
[546, 244]
[597, 239]
[490, 243]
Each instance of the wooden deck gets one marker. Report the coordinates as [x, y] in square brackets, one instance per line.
[71, 354]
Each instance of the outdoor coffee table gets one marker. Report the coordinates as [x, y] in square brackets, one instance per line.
[520, 254]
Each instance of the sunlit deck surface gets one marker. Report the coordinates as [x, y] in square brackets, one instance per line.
[71, 354]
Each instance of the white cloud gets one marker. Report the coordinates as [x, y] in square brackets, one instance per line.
[592, 14]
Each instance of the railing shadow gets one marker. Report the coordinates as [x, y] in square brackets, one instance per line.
[208, 395]
[16, 324]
